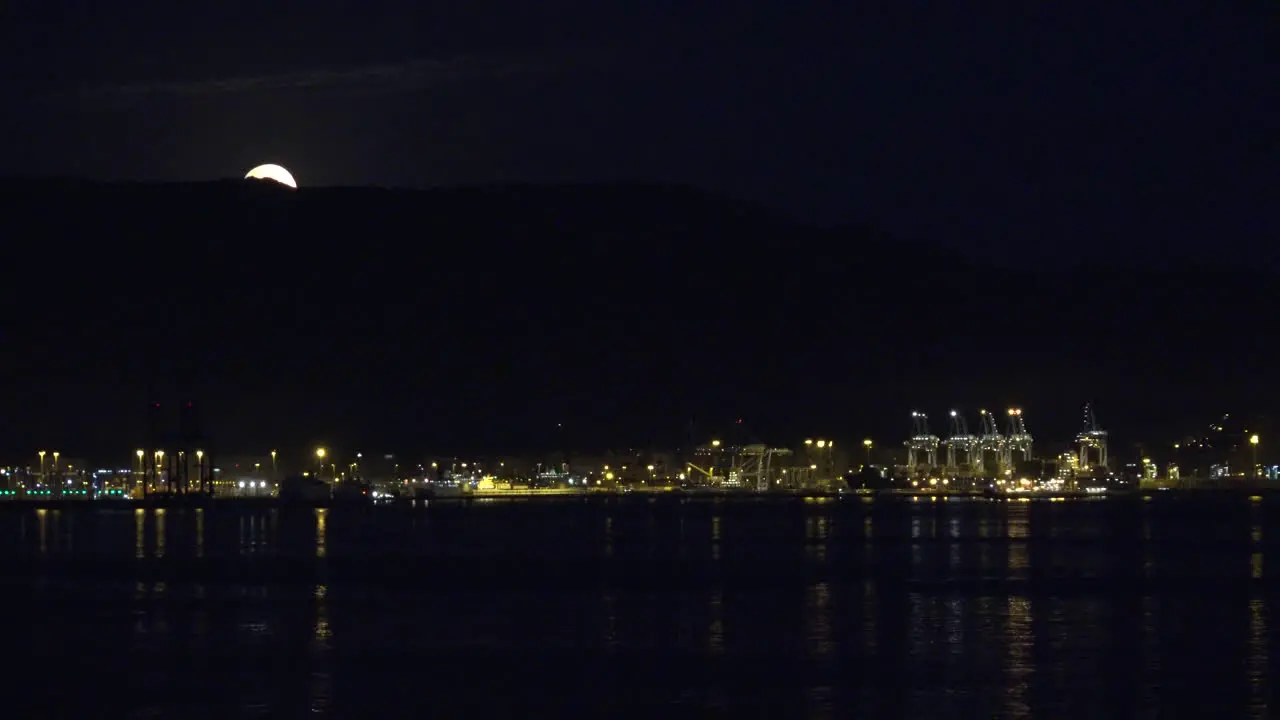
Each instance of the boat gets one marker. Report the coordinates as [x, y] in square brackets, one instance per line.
[440, 489]
[352, 491]
[304, 489]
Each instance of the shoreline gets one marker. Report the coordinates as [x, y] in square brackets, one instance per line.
[597, 497]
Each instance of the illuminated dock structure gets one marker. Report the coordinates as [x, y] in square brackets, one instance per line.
[922, 448]
[737, 466]
[968, 455]
[1092, 441]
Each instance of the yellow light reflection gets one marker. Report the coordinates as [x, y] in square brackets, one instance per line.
[42, 517]
[140, 533]
[322, 630]
[715, 633]
[160, 532]
[199, 532]
[322, 517]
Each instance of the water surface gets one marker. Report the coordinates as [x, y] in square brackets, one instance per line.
[969, 609]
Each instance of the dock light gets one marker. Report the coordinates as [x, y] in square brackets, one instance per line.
[715, 443]
[321, 452]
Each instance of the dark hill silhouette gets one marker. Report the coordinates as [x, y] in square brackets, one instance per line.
[615, 243]
[597, 287]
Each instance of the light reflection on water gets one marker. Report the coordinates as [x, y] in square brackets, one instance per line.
[322, 527]
[161, 535]
[913, 609]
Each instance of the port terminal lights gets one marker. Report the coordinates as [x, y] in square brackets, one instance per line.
[1253, 447]
[42, 477]
[823, 467]
[140, 482]
[320, 456]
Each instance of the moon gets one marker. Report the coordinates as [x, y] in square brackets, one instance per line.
[272, 172]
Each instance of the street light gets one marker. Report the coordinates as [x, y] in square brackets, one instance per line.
[41, 454]
[867, 444]
[320, 453]
[200, 467]
[1253, 444]
[56, 474]
[273, 464]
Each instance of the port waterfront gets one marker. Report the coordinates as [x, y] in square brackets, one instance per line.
[648, 495]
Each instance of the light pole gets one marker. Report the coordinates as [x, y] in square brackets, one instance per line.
[867, 444]
[160, 466]
[1253, 445]
[142, 471]
[320, 453]
[56, 474]
[200, 469]
[273, 465]
[42, 478]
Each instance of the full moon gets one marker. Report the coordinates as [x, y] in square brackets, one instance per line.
[272, 172]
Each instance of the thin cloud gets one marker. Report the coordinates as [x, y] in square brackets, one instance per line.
[389, 77]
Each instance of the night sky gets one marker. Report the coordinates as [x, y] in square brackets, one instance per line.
[1034, 127]
[1096, 133]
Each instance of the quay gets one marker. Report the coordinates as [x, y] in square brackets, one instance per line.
[177, 501]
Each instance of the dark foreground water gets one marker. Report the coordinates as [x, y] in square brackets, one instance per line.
[893, 609]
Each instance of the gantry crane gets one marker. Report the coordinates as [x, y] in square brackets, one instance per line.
[1017, 439]
[990, 441]
[1091, 437]
[961, 442]
[749, 465]
[921, 441]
